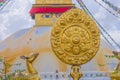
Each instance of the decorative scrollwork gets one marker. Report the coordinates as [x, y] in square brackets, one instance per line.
[75, 37]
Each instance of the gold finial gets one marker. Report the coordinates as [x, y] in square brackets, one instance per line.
[75, 74]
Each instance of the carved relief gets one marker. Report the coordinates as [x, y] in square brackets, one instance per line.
[75, 37]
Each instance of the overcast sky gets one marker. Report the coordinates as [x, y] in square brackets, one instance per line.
[15, 16]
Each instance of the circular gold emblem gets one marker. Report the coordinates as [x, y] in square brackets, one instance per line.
[75, 37]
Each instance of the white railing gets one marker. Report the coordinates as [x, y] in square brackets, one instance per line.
[66, 76]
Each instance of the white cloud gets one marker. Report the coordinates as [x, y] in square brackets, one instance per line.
[116, 35]
[3, 30]
[99, 1]
[100, 14]
[15, 16]
[118, 19]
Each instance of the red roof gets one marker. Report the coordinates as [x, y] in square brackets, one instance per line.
[35, 10]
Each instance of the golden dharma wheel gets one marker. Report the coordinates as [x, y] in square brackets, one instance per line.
[75, 37]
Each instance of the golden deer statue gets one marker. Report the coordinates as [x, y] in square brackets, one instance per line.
[32, 73]
[116, 74]
[29, 60]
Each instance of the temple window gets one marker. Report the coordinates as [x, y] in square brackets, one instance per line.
[47, 16]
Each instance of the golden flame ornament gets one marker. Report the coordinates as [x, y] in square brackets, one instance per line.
[116, 73]
[75, 39]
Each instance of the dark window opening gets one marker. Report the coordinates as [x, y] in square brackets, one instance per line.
[46, 16]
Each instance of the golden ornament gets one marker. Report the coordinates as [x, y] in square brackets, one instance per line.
[116, 73]
[75, 39]
[32, 73]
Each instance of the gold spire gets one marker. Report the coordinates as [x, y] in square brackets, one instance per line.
[51, 10]
[53, 1]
